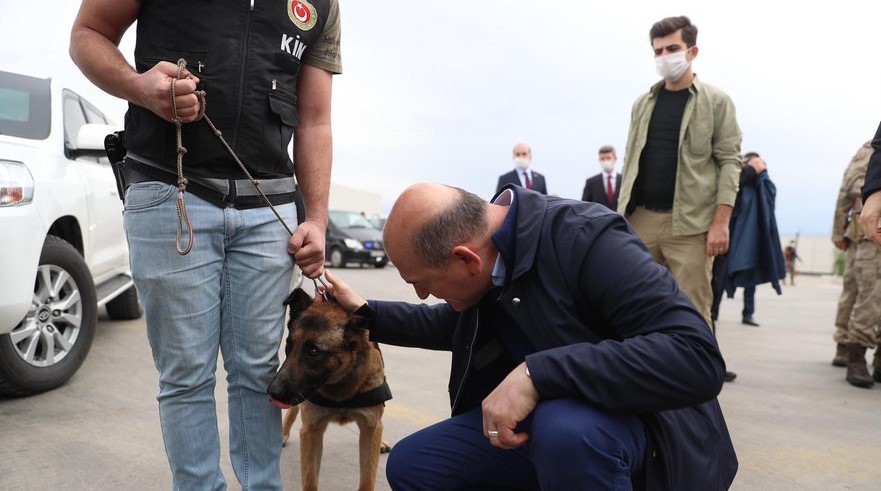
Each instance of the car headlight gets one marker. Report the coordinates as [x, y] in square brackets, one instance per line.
[16, 184]
[353, 244]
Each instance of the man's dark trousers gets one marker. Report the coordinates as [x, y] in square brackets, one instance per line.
[572, 446]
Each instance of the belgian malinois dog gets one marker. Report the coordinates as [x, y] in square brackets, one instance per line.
[335, 374]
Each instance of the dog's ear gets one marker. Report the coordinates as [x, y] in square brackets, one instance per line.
[298, 301]
[356, 326]
[357, 323]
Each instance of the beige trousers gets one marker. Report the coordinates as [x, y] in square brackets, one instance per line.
[684, 255]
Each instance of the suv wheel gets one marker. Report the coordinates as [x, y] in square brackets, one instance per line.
[52, 341]
[126, 306]
[336, 258]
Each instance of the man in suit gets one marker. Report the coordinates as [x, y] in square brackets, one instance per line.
[522, 175]
[603, 188]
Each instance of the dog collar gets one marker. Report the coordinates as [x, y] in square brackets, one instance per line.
[372, 397]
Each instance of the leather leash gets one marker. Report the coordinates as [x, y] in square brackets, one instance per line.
[182, 216]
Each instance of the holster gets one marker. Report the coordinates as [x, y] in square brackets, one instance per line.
[114, 145]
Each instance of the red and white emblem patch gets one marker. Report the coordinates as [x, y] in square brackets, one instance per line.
[302, 14]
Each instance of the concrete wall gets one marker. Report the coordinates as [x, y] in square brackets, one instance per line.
[352, 199]
[816, 252]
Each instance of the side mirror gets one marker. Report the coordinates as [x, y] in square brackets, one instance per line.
[90, 140]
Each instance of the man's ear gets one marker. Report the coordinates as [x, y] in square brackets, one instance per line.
[298, 301]
[469, 258]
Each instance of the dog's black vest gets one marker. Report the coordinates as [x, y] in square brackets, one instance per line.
[247, 56]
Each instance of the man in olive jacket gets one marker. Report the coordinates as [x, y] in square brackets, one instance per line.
[682, 164]
[603, 366]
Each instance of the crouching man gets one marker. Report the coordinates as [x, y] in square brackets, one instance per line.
[577, 362]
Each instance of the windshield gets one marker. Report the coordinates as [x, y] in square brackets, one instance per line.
[349, 219]
[24, 106]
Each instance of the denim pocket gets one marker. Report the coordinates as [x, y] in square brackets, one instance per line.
[143, 195]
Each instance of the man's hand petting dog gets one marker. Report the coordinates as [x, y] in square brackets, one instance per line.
[506, 406]
[343, 293]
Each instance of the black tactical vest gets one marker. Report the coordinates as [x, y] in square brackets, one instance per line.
[247, 55]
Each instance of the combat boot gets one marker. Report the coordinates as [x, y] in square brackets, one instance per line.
[840, 359]
[876, 363]
[857, 373]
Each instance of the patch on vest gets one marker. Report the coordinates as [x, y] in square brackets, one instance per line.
[302, 14]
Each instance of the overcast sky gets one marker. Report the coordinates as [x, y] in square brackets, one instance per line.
[441, 91]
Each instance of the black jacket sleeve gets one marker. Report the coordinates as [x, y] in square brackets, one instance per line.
[873, 174]
[414, 325]
[586, 195]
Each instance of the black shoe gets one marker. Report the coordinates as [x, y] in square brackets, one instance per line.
[748, 320]
[730, 376]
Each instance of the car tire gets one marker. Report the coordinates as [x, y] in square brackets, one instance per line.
[336, 258]
[126, 306]
[26, 366]
[381, 264]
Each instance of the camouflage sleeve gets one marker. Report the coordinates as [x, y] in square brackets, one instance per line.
[848, 203]
[842, 209]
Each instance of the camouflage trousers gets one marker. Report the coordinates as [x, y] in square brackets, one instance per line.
[859, 306]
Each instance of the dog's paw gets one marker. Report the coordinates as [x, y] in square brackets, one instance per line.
[385, 448]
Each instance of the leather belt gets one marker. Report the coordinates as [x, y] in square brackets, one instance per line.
[226, 187]
[657, 209]
[238, 193]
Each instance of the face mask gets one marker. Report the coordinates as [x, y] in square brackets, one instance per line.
[521, 162]
[607, 165]
[672, 67]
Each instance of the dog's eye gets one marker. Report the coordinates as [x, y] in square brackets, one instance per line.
[314, 352]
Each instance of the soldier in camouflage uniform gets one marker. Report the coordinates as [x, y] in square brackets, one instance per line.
[859, 307]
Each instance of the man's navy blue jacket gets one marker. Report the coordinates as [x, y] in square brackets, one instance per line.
[755, 256]
[609, 325]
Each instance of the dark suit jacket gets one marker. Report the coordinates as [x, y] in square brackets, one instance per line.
[595, 191]
[538, 181]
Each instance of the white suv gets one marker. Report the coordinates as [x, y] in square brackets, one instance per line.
[63, 253]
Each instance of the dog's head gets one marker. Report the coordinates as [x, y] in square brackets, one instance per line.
[321, 348]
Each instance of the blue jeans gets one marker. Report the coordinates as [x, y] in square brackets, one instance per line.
[225, 295]
[572, 446]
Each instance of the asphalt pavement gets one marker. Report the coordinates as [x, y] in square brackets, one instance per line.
[795, 422]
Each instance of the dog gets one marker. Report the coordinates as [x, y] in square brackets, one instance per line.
[333, 373]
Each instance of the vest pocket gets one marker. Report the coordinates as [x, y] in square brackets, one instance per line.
[278, 129]
[284, 107]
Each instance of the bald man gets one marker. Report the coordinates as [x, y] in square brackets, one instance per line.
[569, 370]
[522, 175]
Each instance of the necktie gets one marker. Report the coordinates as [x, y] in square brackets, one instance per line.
[610, 190]
[526, 179]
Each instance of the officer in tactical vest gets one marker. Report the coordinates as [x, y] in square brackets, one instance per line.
[217, 92]
[859, 307]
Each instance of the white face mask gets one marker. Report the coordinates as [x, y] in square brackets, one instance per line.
[607, 165]
[521, 162]
[673, 66]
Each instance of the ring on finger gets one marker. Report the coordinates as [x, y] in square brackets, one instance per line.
[492, 433]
